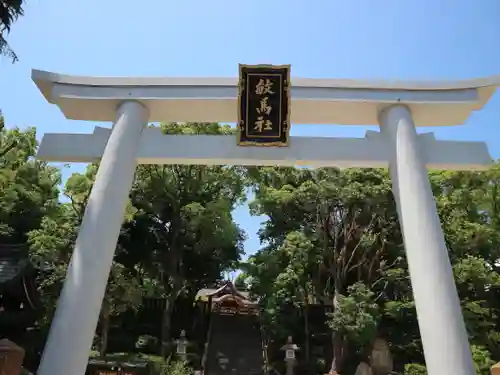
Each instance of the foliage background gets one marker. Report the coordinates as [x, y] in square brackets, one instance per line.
[331, 270]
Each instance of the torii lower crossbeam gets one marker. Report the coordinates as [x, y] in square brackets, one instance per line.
[368, 152]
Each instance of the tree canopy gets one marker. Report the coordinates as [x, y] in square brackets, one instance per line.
[10, 11]
[332, 237]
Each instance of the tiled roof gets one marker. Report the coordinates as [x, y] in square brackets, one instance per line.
[227, 287]
[208, 291]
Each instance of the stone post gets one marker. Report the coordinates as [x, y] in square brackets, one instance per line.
[72, 331]
[495, 369]
[442, 328]
[11, 358]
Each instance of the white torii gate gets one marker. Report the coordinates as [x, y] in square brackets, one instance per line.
[130, 103]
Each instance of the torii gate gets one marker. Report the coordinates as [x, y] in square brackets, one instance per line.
[398, 107]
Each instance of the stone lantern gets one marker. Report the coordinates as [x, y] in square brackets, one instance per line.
[290, 358]
[182, 344]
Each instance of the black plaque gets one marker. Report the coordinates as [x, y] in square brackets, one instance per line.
[264, 105]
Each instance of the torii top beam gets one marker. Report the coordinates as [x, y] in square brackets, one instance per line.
[314, 101]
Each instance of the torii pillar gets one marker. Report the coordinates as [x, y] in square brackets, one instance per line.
[398, 107]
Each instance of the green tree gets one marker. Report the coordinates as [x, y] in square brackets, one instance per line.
[468, 204]
[28, 188]
[52, 245]
[10, 11]
[291, 267]
[350, 220]
[356, 316]
[123, 292]
[241, 281]
[183, 234]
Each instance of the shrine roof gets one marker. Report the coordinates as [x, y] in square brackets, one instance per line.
[226, 288]
[237, 298]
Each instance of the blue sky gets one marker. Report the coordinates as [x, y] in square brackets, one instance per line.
[357, 39]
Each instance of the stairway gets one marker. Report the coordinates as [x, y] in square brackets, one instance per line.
[235, 346]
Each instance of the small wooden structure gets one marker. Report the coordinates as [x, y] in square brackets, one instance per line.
[227, 300]
[19, 299]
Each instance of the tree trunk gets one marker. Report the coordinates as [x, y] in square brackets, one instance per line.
[104, 330]
[337, 342]
[338, 353]
[306, 331]
[167, 315]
